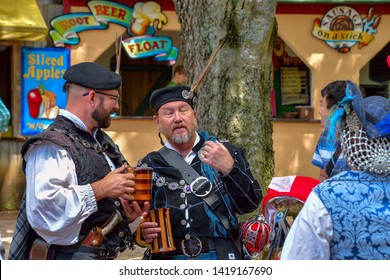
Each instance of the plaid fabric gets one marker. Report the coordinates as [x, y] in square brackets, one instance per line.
[5, 116]
[23, 235]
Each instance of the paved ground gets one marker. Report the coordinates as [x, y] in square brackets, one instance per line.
[7, 225]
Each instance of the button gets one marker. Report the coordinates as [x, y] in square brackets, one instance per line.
[182, 182]
[183, 222]
[187, 236]
[117, 203]
[182, 206]
[182, 195]
[121, 234]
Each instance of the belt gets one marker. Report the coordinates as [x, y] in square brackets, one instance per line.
[101, 253]
[190, 247]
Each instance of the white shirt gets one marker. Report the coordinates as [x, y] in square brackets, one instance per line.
[56, 205]
[311, 233]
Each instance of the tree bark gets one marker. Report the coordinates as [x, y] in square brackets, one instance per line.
[234, 97]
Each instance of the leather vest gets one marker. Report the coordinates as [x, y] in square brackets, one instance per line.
[91, 166]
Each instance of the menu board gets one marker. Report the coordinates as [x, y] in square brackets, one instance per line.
[294, 86]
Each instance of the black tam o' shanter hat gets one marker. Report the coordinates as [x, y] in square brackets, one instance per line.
[92, 75]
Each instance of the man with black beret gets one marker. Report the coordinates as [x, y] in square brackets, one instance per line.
[78, 197]
[205, 181]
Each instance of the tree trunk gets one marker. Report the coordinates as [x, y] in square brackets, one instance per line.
[234, 97]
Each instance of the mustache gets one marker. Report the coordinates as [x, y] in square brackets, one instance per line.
[179, 126]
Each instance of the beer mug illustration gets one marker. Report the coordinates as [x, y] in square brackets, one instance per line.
[164, 241]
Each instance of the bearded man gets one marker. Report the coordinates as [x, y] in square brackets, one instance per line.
[203, 180]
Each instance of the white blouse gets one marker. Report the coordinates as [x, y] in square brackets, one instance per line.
[310, 234]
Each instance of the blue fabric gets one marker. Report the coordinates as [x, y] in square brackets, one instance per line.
[212, 175]
[323, 154]
[359, 206]
[384, 126]
[370, 110]
[336, 117]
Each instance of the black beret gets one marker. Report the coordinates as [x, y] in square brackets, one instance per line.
[92, 75]
[168, 94]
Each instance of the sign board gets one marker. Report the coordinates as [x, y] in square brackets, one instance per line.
[342, 27]
[140, 22]
[41, 87]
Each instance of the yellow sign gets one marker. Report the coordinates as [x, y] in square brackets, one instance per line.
[342, 27]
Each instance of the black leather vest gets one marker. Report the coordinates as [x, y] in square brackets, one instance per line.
[91, 166]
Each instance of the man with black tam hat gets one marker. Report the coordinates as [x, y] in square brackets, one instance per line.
[347, 216]
[78, 197]
[204, 181]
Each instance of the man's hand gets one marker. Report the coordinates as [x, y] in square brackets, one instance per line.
[115, 184]
[217, 156]
[133, 210]
[149, 230]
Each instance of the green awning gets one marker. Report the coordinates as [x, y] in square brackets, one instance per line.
[21, 20]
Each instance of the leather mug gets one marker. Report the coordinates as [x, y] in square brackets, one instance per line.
[143, 183]
[164, 241]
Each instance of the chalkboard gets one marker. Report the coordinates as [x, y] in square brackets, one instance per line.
[294, 86]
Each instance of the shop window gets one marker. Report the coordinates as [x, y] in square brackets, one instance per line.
[375, 76]
[291, 80]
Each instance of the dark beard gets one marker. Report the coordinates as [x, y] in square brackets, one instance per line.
[101, 116]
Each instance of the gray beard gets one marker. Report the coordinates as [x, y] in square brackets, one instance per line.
[181, 139]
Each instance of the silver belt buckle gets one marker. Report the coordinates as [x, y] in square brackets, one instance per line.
[191, 247]
[201, 186]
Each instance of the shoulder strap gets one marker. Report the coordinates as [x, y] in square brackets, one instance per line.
[189, 174]
[332, 161]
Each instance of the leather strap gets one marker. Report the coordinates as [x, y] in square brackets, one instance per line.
[189, 175]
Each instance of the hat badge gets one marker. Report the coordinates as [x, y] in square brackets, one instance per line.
[187, 94]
